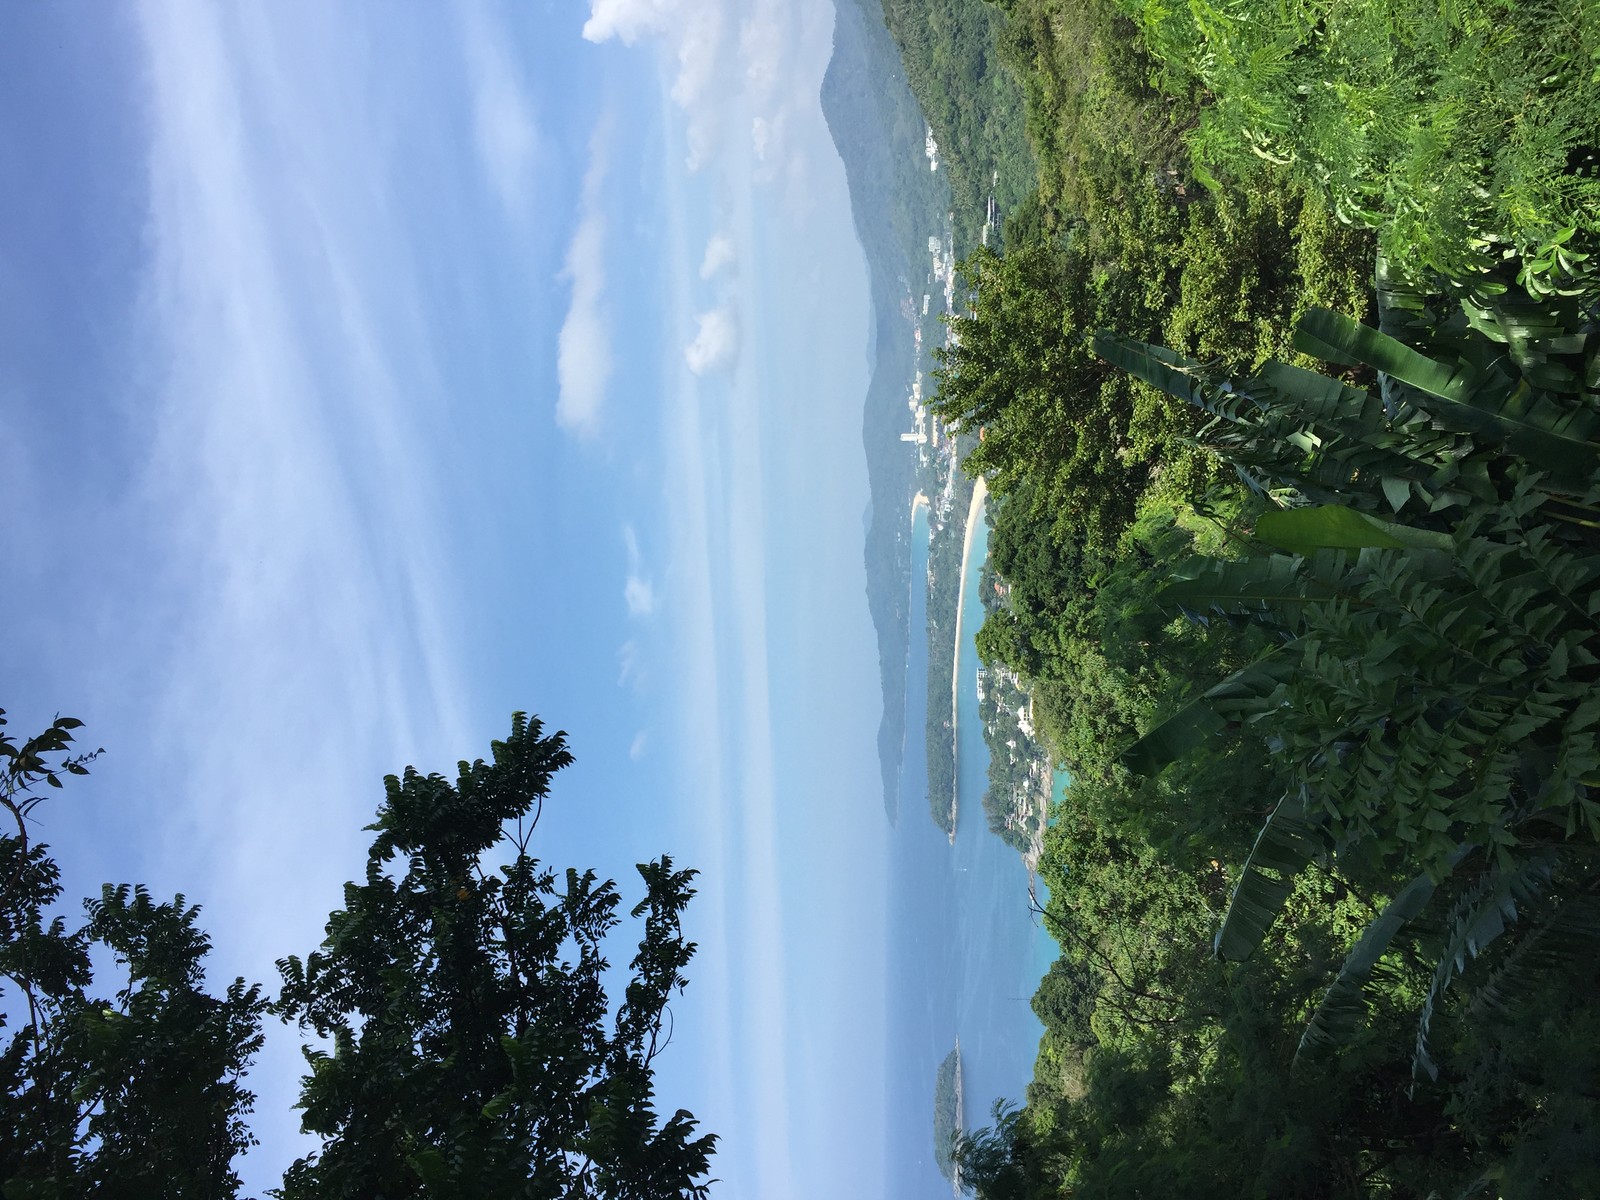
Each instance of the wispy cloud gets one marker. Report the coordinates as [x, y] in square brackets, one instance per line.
[640, 596]
[637, 592]
[584, 361]
[304, 639]
[503, 124]
[720, 254]
[716, 341]
[724, 714]
[628, 669]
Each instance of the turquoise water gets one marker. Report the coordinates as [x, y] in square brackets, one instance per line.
[965, 951]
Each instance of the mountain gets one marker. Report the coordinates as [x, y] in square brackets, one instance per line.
[897, 202]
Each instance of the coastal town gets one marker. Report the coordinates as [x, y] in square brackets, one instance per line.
[1020, 773]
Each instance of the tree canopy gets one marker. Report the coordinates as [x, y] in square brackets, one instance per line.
[465, 1042]
[473, 1049]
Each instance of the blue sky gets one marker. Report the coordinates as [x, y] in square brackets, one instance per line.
[368, 376]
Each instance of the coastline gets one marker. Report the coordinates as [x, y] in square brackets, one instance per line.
[918, 499]
[980, 493]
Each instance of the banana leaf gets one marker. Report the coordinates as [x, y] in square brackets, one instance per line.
[1337, 338]
[1286, 843]
[1317, 396]
[1344, 1004]
[1247, 690]
[1489, 403]
[1166, 369]
[1332, 526]
[1274, 588]
[1184, 378]
[1482, 914]
[1568, 932]
[1267, 584]
[1335, 442]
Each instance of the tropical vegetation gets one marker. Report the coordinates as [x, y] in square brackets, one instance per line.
[947, 1112]
[1300, 552]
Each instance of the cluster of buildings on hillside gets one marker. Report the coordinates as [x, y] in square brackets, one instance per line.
[926, 431]
[991, 211]
[1021, 778]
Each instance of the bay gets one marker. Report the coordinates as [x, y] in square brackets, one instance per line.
[965, 950]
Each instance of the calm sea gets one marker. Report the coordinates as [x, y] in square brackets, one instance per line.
[965, 952]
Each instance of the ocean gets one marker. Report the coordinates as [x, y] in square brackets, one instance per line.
[965, 950]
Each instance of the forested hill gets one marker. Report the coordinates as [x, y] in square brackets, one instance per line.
[972, 100]
[896, 201]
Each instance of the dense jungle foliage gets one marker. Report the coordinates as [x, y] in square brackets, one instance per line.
[1308, 609]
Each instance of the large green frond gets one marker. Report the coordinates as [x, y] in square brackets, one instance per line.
[1265, 585]
[1565, 934]
[1286, 843]
[1333, 526]
[1244, 693]
[1490, 402]
[1344, 1006]
[1482, 913]
[1161, 368]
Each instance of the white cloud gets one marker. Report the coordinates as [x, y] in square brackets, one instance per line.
[583, 347]
[637, 592]
[761, 136]
[636, 750]
[694, 36]
[640, 597]
[716, 342]
[628, 19]
[503, 125]
[764, 37]
[739, 68]
[719, 254]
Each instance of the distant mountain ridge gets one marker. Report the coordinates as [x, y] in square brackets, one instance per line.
[896, 202]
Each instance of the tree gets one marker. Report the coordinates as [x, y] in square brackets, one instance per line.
[996, 1163]
[1054, 423]
[474, 1051]
[470, 1055]
[134, 1096]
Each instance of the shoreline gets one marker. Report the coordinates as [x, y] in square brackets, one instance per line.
[980, 493]
[918, 499]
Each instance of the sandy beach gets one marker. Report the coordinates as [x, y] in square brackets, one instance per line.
[980, 493]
